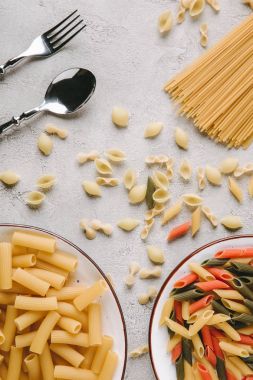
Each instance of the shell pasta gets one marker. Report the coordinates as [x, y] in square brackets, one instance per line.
[50, 330]
[209, 318]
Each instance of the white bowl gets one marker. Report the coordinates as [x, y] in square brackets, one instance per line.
[162, 365]
[88, 271]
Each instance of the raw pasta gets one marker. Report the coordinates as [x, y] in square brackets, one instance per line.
[51, 129]
[228, 165]
[45, 144]
[250, 187]
[92, 188]
[181, 138]
[232, 222]
[46, 181]
[172, 212]
[201, 177]
[128, 224]
[153, 130]
[85, 157]
[210, 216]
[160, 179]
[160, 159]
[165, 22]
[134, 268]
[145, 273]
[185, 170]
[9, 178]
[102, 181]
[161, 196]
[147, 228]
[103, 166]
[169, 167]
[192, 200]
[247, 169]
[196, 220]
[203, 34]
[235, 189]
[139, 351]
[129, 179]
[35, 199]
[180, 15]
[196, 7]
[97, 225]
[214, 4]
[120, 117]
[90, 233]
[156, 210]
[155, 254]
[144, 298]
[213, 175]
[115, 155]
[137, 194]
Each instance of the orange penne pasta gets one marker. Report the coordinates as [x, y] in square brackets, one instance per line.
[220, 274]
[246, 339]
[176, 352]
[204, 373]
[210, 356]
[178, 311]
[210, 285]
[230, 376]
[207, 337]
[186, 280]
[216, 348]
[200, 304]
[179, 231]
[234, 252]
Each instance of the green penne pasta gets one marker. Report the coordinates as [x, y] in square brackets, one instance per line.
[173, 317]
[181, 290]
[220, 368]
[187, 350]
[149, 193]
[248, 360]
[188, 295]
[244, 318]
[242, 268]
[219, 308]
[213, 262]
[249, 304]
[242, 288]
[247, 280]
[180, 367]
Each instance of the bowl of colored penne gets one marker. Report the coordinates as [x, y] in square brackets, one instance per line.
[60, 317]
[201, 325]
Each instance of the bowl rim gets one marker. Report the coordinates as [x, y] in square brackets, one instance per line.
[177, 267]
[54, 234]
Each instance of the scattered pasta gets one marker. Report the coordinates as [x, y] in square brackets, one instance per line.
[213, 175]
[51, 129]
[186, 3]
[165, 22]
[137, 194]
[115, 155]
[155, 254]
[160, 179]
[103, 166]
[192, 200]
[85, 157]
[203, 34]
[181, 14]
[210, 216]
[235, 189]
[128, 224]
[247, 169]
[228, 165]
[179, 231]
[172, 212]
[232, 222]
[160, 159]
[102, 181]
[196, 220]
[129, 179]
[214, 4]
[90, 233]
[97, 225]
[169, 168]
[153, 130]
[146, 273]
[9, 178]
[46, 182]
[144, 298]
[139, 351]
[45, 144]
[201, 177]
[91, 188]
[156, 210]
[147, 228]
[35, 199]
[181, 138]
[134, 269]
[196, 7]
[185, 170]
[120, 117]
[161, 196]
[250, 187]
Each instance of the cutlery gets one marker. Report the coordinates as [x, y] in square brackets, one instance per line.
[67, 93]
[49, 42]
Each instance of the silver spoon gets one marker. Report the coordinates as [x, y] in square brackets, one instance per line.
[67, 93]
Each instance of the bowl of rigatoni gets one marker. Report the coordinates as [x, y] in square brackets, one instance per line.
[59, 314]
[201, 325]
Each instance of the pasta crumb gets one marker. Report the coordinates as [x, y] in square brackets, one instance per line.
[139, 351]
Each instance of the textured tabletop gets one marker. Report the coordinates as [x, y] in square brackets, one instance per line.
[122, 46]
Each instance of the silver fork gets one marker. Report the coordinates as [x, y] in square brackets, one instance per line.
[49, 42]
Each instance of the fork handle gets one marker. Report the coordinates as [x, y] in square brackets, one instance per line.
[11, 63]
[16, 121]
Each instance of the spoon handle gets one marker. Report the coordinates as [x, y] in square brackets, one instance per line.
[16, 121]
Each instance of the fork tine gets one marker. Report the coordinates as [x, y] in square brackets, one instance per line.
[51, 37]
[68, 39]
[60, 23]
[65, 34]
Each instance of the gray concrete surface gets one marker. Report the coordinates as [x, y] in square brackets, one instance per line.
[131, 61]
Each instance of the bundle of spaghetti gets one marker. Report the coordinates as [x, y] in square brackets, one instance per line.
[216, 91]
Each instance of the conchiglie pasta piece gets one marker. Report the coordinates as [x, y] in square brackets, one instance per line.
[181, 138]
[160, 179]
[35, 199]
[180, 15]
[203, 34]
[45, 144]
[165, 22]
[153, 130]
[155, 254]
[216, 6]
[161, 196]
[201, 177]
[120, 117]
[129, 179]
[235, 189]
[9, 178]
[137, 194]
[128, 224]
[46, 181]
[232, 222]
[185, 170]
[213, 175]
[115, 155]
[107, 181]
[186, 3]
[192, 200]
[196, 7]
[92, 188]
[103, 166]
[228, 165]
